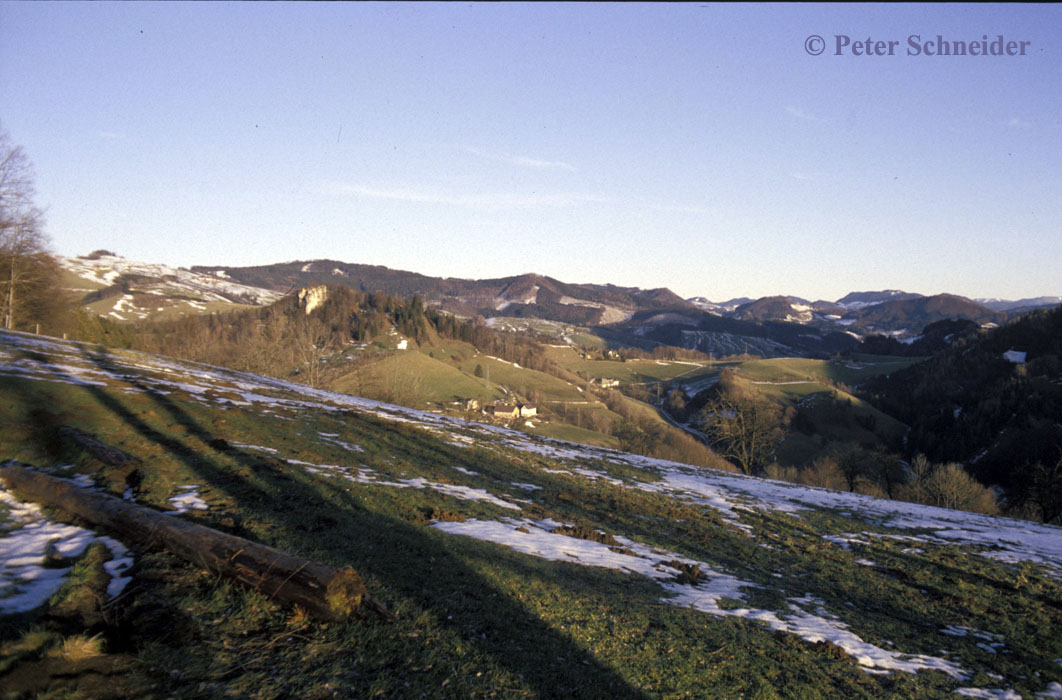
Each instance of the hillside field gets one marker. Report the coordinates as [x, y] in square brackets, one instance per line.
[516, 566]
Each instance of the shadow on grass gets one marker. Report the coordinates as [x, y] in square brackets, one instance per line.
[412, 564]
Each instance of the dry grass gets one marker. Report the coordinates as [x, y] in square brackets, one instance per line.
[78, 648]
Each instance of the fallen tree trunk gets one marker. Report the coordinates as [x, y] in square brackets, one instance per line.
[322, 591]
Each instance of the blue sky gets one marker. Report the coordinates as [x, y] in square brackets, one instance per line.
[692, 146]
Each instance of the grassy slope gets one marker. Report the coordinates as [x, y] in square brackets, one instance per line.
[444, 371]
[433, 380]
[638, 371]
[169, 308]
[522, 380]
[478, 619]
[808, 384]
[69, 280]
[852, 372]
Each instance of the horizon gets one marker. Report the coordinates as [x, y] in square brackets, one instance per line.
[117, 254]
[706, 149]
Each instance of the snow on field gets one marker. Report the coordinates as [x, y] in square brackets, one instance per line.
[1013, 541]
[187, 500]
[1010, 541]
[106, 269]
[732, 495]
[334, 439]
[1054, 690]
[25, 537]
[364, 475]
[537, 539]
[992, 693]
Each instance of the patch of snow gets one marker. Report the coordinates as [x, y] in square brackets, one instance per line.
[992, 693]
[259, 448]
[845, 541]
[187, 500]
[1054, 690]
[368, 476]
[960, 631]
[24, 583]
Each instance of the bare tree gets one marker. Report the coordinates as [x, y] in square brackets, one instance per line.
[25, 265]
[745, 430]
[313, 345]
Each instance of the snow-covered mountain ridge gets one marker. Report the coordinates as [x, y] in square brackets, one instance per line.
[126, 290]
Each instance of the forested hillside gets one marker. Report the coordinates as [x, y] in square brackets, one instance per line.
[994, 402]
[396, 349]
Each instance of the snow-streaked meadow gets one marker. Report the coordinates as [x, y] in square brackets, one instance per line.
[721, 592]
[161, 286]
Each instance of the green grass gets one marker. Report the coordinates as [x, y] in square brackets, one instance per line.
[523, 381]
[850, 372]
[409, 376]
[636, 371]
[564, 431]
[477, 619]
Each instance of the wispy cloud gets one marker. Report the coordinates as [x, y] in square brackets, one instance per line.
[496, 200]
[522, 161]
[801, 114]
[111, 136]
[502, 200]
[677, 209]
[1017, 123]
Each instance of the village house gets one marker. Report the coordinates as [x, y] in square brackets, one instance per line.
[502, 410]
[527, 410]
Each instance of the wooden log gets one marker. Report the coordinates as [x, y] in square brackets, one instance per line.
[324, 592]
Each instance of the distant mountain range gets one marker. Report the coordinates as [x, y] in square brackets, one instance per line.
[1021, 304]
[770, 326]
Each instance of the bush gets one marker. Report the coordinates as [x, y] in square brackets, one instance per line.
[947, 486]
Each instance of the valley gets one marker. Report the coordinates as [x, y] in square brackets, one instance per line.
[613, 536]
[514, 564]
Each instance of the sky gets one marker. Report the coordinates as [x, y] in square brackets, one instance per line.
[705, 148]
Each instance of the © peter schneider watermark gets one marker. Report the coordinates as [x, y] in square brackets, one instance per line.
[916, 45]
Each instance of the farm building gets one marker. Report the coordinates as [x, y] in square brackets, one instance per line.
[501, 410]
